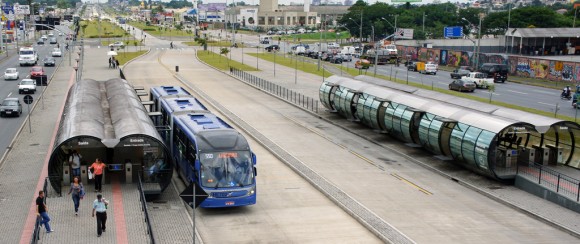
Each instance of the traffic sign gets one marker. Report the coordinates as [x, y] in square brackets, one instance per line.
[7, 9]
[187, 195]
[453, 32]
[28, 99]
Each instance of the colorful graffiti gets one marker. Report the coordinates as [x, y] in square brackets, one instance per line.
[519, 66]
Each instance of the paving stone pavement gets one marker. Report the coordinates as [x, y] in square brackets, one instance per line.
[25, 164]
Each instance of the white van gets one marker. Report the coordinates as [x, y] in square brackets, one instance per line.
[429, 69]
[27, 56]
[348, 49]
[265, 39]
[300, 50]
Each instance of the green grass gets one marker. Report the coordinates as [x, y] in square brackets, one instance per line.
[213, 44]
[131, 42]
[125, 57]
[221, 62]
[107, 30]
[291, 63]
[157, 30]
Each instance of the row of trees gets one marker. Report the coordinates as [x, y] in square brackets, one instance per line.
[434, 17]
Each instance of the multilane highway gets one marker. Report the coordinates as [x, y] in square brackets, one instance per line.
[9, 126]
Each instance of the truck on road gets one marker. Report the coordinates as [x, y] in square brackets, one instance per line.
[383, 56]
[27, 56]
[479, 79]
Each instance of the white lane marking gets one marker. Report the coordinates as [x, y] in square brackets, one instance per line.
[9, 94]
[495, 94]
[545, 92]
[517, 92]
[551, 105]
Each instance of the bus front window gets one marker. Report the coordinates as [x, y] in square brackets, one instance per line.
[226, 169]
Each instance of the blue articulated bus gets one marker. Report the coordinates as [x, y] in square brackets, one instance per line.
[208, 151]
[158, 92]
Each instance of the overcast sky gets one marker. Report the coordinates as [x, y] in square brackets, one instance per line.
[252, 2]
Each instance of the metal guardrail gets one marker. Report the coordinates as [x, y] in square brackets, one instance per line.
[551, 179]
[145, 212]
[36, 233]
[278, 90]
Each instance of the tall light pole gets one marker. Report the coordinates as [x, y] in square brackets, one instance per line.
[474, 43]
[359, 28]
[478, 43]
[424, 23]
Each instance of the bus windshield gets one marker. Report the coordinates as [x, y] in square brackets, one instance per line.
[226, 169]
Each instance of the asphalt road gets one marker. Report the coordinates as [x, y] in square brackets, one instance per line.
[9, 88]
[540, 98]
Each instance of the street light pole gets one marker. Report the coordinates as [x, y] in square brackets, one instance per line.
[423, 23]
[478, 43]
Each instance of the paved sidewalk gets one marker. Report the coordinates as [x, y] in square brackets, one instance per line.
[26, 164]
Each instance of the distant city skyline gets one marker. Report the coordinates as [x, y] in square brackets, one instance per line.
[287, 2]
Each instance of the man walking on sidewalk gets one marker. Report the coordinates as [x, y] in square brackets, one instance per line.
[42, 211]
[100, 207]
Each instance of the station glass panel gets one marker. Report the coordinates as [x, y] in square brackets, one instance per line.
[374, 114]
[362, 105]
[468, 145]
[564, 142]
[424, 127]
[349, 96]
[389, 111]
[406, 119]
[575, 161]
[324, 94]
[434, 134]
[340, 98]
[457, 140]
[484, 142]
[397, 120]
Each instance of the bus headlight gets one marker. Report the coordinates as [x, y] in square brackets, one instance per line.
[251, 191]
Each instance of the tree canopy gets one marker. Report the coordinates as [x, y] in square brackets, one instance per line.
[434, 17]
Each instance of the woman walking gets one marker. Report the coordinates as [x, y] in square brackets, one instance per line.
[98, 166]
[78, 192]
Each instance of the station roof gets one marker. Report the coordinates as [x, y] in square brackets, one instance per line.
[104, 110]
[541, 123]
[543, 32]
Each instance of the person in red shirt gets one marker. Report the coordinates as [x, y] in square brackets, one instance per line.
[98, 166]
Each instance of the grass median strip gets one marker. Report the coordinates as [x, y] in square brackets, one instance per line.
[296, 62]
[221, 62]
[124, 57]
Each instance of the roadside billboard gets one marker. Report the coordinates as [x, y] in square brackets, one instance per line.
[404, 34]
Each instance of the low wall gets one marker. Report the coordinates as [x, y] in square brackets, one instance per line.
[545, 193]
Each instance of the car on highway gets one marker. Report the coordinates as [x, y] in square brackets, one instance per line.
[44, 37]
[56, 52]
[60, 34]
[461, 85]
[117, 44]
[429, 69]
[40, 41]
[461, 72]
[49, 61]
[10, 107]
[272, 48]
[11, 74]
[36, 71]
[27, 86]
[499, 72]
[53, 40]
[336, 59]
[412, 66]
[347, 57]
[362, 64]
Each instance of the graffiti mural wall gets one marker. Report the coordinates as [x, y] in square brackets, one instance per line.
[519, 66]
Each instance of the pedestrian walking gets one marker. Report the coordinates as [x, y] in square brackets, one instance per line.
[42, 211]
[116, 63]
[110, 62]
[171, 45]
[75, 163]
[66, 46]
[98, 166]
[100, 206]
[78, 192]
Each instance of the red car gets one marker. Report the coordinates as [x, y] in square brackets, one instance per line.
[36, 71]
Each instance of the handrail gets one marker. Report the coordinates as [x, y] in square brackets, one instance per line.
[144, 209]
[563, 184]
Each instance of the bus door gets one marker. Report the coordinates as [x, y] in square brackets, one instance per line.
[445, 137]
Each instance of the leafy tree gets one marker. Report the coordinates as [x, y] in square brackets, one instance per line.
[62, 4]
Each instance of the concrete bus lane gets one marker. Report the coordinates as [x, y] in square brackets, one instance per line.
[424, 206]
[289, 209]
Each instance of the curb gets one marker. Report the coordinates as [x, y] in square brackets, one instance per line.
[3, 158]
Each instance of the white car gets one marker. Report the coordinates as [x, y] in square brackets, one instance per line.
[27, 86]
[56, 52]
[44, 37]
[11, 74]
[60, 34]
[117, 44]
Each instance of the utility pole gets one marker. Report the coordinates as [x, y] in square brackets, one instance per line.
[360, 28]
[478, 43]
[394, 37]
[424, 23]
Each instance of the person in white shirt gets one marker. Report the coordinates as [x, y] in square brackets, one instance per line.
[100, 208]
